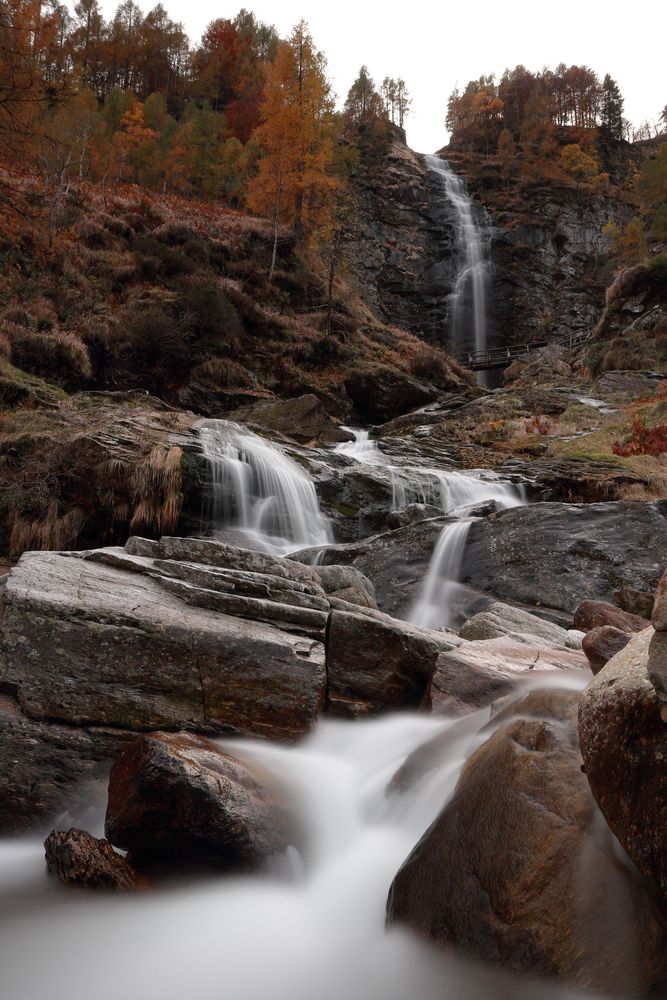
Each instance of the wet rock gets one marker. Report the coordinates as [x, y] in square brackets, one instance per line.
[603, 643]
[518, 868]
[411, 514]
[659, 612]
[595, 614]
[504, 620]
[176, 799]
[623, 738]
[560, 554]
[632, 383]
[478, 673]
[303, 419]
[76, 858]
[378, 664]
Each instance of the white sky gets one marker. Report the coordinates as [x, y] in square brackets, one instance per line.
[435, 46]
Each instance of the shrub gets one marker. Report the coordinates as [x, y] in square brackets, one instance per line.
[158, 357]
[156, 260]
[538, 424]
[428, 363]
[207, 316]
[643, 440]
[227, 374]
[54, 355]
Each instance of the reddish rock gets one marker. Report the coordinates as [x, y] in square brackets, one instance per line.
[176, 799]
[603, 643]
[595, 614]
[77, 858]
[637, 602]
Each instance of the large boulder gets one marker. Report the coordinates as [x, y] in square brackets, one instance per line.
[659, 611]
[518, 871]
[623, 733]
[376, 664]
[76, 858]
[478, 673]
[561, 553]
[304, 419]
[177, 799]
[345, 583]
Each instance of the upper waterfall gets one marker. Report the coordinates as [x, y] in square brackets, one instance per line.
[260, 491]
[468, 311]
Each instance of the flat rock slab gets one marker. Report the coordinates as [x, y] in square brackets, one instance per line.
[88, 644]
[478, 673]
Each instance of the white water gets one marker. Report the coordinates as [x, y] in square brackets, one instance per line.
[432, 607]
[260, 491]
[315, 928]
[445, 489]
[468, 312]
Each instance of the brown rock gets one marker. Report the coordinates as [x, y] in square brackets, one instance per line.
[623, 737]
[603, 643]
[659, 616]
[177, 799]
[594, 614]
[636, 602]
[77, 858]
[518, 869]
[478, 673]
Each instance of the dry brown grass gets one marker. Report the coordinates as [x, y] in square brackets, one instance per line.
[158, 491]
[53, 531]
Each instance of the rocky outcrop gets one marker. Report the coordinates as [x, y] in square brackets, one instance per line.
[379, 392]
[76, 858]
[476, 674]
[517, 869]
[177, 799]
[623, 738]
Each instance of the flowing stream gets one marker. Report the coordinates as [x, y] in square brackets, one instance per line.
[259, 491]
[312, 926]
[468, 301]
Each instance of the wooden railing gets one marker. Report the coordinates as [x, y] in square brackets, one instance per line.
[501, 357]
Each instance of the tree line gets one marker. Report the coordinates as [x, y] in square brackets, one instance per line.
[521, 102]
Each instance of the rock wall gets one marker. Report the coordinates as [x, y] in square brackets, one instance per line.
[549, 267]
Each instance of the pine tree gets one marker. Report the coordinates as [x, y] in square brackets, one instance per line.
[611, 109]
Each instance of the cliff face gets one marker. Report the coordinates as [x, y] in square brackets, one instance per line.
[548, 265]
[404, 251]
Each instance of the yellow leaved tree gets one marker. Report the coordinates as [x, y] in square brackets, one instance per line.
[294, 180]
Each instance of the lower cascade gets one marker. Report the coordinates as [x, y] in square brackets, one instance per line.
[432, 608]
[312, 924]
[260, 491]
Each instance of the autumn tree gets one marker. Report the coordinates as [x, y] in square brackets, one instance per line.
[294, 136]
[627, 243]
[579, 164]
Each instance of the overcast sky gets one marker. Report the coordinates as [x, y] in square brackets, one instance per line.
[435, 46]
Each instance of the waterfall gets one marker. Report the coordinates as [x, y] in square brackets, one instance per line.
[431, 609]
[362, 448]
[468, 320]
[260, 491]
[313, 925]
